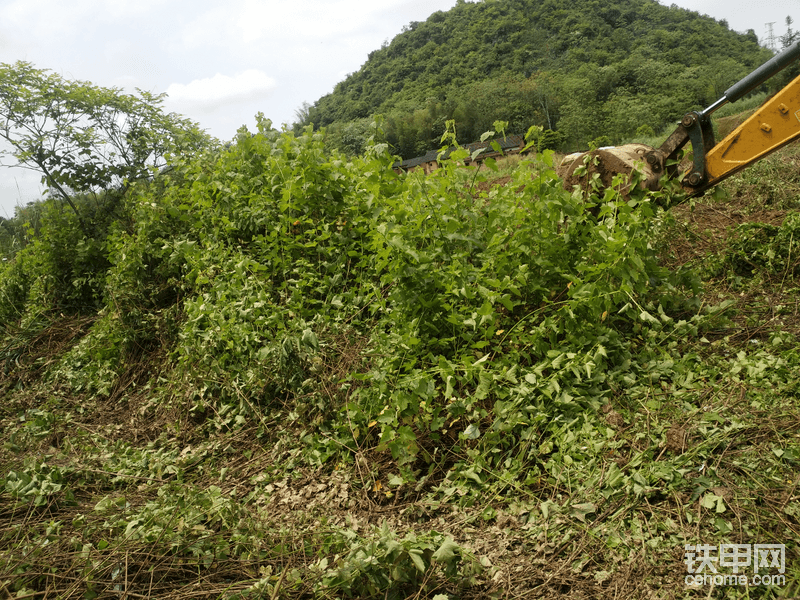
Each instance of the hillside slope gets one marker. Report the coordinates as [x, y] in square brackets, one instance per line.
[311, 377]
[586, 69]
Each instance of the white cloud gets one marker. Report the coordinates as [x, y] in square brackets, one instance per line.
[213, 92]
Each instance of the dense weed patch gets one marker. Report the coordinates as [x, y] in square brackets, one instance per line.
[309, 376]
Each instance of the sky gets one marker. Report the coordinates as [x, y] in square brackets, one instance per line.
[222, 62]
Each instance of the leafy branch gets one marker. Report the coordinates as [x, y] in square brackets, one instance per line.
[83, 138]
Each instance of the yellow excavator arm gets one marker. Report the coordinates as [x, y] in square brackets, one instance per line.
[775, 124]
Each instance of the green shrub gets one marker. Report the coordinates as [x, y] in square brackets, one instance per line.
[759, 246]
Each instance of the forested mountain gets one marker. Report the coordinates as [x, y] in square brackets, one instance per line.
[584, 69]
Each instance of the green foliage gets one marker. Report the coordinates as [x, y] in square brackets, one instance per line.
[246, 265]
[532, 277]
[203, 513]
[82, 138]
[582, 69]
[762, 247]
[280, 334]
[59, 267]
[94, 363]
[91, 145]
[280, 252]
[15, 285]
[39, 483]
[353, 138]
[387, 564]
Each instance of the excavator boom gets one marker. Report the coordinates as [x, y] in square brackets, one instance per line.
[774, 125]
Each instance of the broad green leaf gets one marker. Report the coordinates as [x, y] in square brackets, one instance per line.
[579, 511]
[446, 551]
[472, 432]
[416, 557]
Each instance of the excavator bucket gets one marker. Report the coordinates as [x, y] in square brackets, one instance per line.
[597, 169]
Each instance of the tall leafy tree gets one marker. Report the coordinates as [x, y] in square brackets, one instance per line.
[84, 138]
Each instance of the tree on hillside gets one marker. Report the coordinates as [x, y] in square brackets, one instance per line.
[83, 138]
[789, 38]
